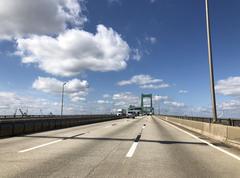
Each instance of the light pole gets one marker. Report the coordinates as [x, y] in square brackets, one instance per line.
[157, 102]
[62, 97]
[159, 105]
[210, 61]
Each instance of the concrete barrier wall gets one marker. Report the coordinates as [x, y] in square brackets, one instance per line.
[227, 134]
[10, 128]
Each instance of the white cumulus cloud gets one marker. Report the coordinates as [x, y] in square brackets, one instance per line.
[124, 99]
[174, 103]
[25, 17]
[10, 101]
[137, 54]
[74, 51]
[75, 88]
[155, 86]
[103, 101]
[151, 39]
[106, 95]
[229, 86]
[182, 91]
[230, 105]
[139, 80]
[160, 98]
[145, 82]
[229, 108]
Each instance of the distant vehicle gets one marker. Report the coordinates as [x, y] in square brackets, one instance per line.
[149, 114]
[121, 112]
[131, 115]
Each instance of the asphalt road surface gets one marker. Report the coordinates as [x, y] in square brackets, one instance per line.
[142, 147]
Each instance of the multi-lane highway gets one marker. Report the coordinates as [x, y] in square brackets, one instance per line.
[142, 147]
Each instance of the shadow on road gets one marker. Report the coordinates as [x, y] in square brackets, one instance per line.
[75, 137]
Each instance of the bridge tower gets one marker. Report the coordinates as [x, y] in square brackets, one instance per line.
[147, 109]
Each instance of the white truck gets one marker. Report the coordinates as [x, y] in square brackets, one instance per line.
[121, 112]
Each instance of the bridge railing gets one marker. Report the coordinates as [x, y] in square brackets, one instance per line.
[223, 121]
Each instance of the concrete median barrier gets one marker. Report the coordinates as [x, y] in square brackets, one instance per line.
[29, 127]
[37, 126]
[58, 124]
[227, 134]
[20, 126]
[6, 130]
[45, 125]
[52, 124]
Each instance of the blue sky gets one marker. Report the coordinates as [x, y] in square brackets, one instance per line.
[157, 47]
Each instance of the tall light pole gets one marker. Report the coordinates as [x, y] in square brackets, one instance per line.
[159, 102]
[159, 107]
[214, 110]
[62, 97]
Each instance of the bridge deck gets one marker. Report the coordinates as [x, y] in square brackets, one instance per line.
[122, 148]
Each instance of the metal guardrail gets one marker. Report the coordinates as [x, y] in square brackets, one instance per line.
[223, 121]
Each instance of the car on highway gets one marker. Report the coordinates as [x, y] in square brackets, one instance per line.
[131, 115]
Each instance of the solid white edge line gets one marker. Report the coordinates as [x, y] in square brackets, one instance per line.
[39, 146]
[132, 150]
[204, 141]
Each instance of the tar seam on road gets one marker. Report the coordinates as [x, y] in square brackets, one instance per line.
[110, 125]
[204, 141]
[135, 143]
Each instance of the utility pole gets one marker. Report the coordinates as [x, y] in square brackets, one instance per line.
[211, 70]
[62, 97]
